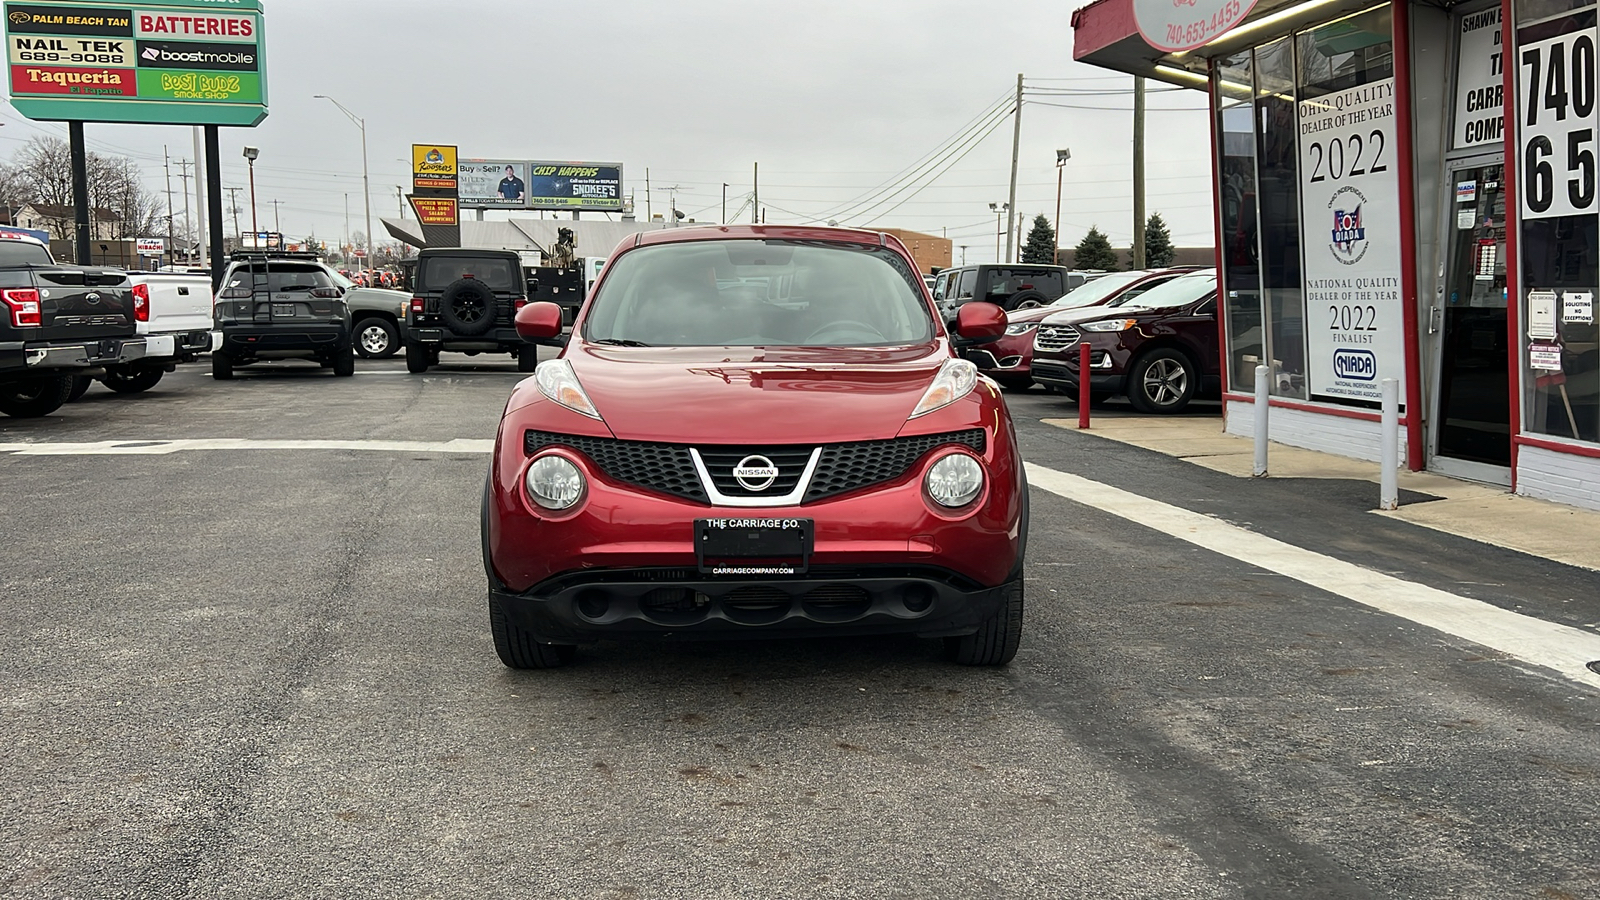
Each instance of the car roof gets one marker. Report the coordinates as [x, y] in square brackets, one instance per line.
[774, 232]
[464, 251]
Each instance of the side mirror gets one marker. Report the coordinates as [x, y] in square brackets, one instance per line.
[979, 323]
[539, 321]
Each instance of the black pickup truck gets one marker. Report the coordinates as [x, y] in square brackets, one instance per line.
[58, 322]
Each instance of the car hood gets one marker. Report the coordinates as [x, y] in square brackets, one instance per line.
[755, 395]
[1090, 313]
[1040, 313]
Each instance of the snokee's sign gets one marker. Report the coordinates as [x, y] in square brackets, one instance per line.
[1174, 25]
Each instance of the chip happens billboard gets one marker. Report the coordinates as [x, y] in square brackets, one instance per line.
[575, 186]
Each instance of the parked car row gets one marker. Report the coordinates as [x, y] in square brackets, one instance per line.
[1152, 336]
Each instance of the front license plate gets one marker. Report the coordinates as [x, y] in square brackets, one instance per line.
[283, 309]
[753, 546]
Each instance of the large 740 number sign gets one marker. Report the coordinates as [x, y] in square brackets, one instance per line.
[1558, 126]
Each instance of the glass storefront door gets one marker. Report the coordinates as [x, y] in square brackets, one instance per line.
[1471, 433]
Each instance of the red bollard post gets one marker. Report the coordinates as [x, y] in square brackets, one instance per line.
[1083, 385]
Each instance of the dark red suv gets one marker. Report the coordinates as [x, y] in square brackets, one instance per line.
[1009, 360]
[1159, 348]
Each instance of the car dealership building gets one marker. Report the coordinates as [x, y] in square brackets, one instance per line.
[1379, 217]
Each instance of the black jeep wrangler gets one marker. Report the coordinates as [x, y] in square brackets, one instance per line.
[466, 301]
[281, 305]
[1014, 286]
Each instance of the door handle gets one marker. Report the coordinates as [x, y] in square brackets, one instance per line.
[1434, 315]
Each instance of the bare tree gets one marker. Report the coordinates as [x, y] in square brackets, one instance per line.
[41, 172]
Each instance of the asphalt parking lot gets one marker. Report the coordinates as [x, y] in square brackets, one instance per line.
[265, 671]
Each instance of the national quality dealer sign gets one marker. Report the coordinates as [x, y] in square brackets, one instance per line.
[180, 62]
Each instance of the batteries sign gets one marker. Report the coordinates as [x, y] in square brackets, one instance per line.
[178, 62]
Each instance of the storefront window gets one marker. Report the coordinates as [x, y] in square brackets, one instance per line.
[1556, 120]
[1241, 272]
[1278, 176]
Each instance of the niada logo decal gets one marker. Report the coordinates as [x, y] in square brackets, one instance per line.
[1349, 242]
[1355, 365]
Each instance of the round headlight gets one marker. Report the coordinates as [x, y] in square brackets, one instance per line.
[954, 480]
[554, 482]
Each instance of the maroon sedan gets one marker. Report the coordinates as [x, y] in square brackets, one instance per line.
[756, 431]
[1160, 349]
[1009, 360]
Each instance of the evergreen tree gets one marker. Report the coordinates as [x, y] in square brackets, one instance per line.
[1041, 245]
[1158, 249]
[1094, 252]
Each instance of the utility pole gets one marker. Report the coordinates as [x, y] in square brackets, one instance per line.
[724, 218]
[345, 247]
[1138, 261]
[166, 165]
[963, 256]
[672, 206]
[755, 205]
[188, 224]
[233, 201]
[400, 197]
[648, 217]
[276, 226]
[1016, 148]
[200, 207]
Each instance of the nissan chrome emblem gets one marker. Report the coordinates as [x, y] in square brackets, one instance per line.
[755, 473]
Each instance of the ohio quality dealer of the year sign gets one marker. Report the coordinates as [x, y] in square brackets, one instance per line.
[169, 62]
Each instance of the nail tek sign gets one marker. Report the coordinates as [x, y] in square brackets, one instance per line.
[179, 62]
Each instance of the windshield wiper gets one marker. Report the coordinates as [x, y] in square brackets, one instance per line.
[620, 342]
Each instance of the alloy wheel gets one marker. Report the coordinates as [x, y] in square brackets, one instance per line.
[374, 339]
[1165, 382]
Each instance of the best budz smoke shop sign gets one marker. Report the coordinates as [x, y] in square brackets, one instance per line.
[179, 62]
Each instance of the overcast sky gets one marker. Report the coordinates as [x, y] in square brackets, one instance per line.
[832, 98]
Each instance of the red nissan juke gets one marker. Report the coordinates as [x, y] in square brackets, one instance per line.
[756, 431]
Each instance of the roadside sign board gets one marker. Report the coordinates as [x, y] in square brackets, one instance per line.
[575, 186]
[162, 62]
[433, 167]
[493, 183]
[150, 246]
[436, 210]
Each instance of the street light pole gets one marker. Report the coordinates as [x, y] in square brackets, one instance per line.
[1000, 209]
[251, 153]
[366, 185]
[1062, 156]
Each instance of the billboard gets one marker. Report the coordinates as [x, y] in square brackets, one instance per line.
[493, 184]
[433, 166]
[164, 62]
[575, 186]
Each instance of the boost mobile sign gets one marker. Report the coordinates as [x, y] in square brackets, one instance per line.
[1350, 227]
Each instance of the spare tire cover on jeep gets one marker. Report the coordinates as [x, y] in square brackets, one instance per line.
[468, 307]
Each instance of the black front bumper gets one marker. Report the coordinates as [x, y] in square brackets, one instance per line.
[1060, 377]
[683, 604]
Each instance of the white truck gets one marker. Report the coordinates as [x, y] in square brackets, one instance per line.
[173, 314]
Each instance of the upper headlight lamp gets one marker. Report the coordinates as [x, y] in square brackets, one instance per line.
[955, 380]
[1110, 325]
[558, 382]
[1020, 328]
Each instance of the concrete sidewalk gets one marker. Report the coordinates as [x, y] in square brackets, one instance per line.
[1478, 512]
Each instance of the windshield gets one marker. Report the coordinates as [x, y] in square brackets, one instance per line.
[759, 293]
[1099, 289]
[1178, 292]
[23, 253]
[497, 272]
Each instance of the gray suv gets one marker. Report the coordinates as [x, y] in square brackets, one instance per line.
[281, 305]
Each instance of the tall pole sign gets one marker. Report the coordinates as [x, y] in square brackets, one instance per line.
[435, 193]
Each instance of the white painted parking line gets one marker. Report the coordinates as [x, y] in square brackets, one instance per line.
[162, 448]
[1531, 640]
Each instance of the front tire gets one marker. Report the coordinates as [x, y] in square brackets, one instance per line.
[1162, 382]
[527, 360]
[221, 366]
[377, 338]
[520, 649]
[416, 358]
[132, 381]
[80, 386]
[36, 397]
[996, 642]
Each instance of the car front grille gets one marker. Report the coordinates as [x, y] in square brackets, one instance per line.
[669, 468]
[1054, 338]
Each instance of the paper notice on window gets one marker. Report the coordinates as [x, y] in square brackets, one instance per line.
[1545, 357]
[1542, 315]
[1466, 217]
[1577, 308]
